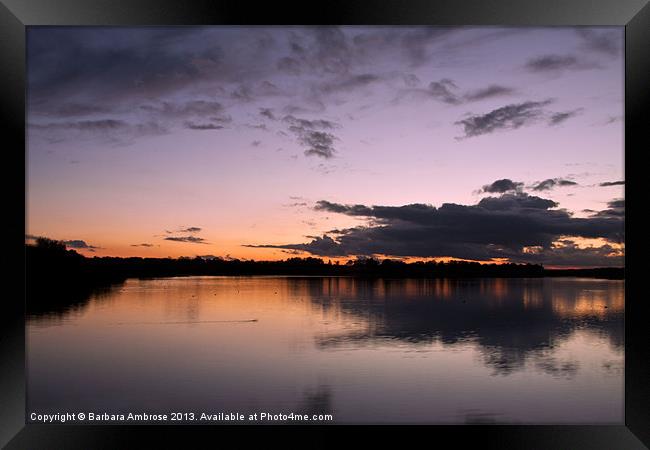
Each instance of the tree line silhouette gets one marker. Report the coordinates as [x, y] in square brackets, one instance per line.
[50, 267]
[51, 259]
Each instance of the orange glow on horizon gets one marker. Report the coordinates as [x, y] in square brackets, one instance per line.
[234, 250]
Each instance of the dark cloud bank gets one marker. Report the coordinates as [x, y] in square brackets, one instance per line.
[518, 226]
[97, 75]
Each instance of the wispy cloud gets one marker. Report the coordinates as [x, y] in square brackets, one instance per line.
[551, 183]
[609, 42]
[558, 63]
[511, 116]
[491, 91]
[189, 239]
[447, 91]
[189, 235]
[559, 117]
[203, 126]
[612, 183]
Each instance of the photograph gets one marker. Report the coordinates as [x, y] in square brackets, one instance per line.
[325, 224]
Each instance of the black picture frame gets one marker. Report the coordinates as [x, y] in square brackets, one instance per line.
[16, 15]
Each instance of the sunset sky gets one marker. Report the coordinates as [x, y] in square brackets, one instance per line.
[489, 144]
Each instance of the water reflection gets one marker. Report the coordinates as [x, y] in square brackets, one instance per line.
[510, 320]
[50, 306]
[387, 350]
[317, 401]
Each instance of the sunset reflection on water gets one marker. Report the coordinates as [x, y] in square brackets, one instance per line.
[369, 351]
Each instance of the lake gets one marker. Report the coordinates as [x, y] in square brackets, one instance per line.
[434, 351]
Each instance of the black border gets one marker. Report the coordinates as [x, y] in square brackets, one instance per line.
[15, 15]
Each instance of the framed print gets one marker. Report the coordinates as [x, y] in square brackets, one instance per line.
[279, 222]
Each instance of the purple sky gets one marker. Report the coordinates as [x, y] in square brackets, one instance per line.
[258, 142]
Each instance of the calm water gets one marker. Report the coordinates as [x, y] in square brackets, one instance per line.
[366, 351]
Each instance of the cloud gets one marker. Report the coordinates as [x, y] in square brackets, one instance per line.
[197, 77]
[310, 135]
[248, 92]
[108, 129]
[202, 126]
[94, 61]
[268, 113]
[507, 117]
[142, 245]
[567, 252]
[190, 230]
[188, 239]
[337, 51]
[618, 203]
[609, 43]
[289, 65]
[613, 119]
[445, 90]
[441, 90]
[493, 90]
[321, 246]
[612, 183]
[85, 125]
[496, 227]
[111, 67]
[551, 183]
[557, 63]
[302, 124]
[319, 144]
[349, 83]
[501, 186]
[184, 109]
[116, 72]
[161, 115]
[615, 208]
[78, 109]
[410, 80]
[417, 42]
[559, 117]
[327, 50]
[79, 244]
[195, 114]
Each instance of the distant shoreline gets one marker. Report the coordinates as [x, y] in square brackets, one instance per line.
[394, 277]
[58, 278]
[50, 264]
